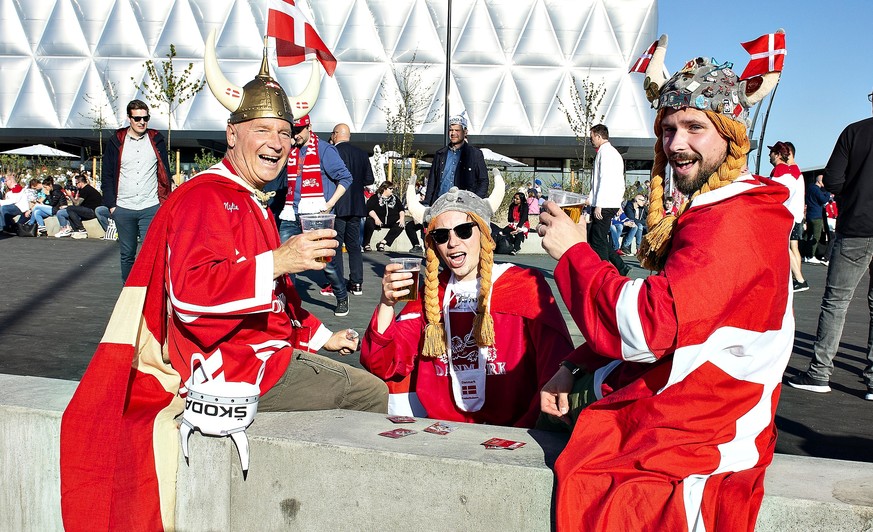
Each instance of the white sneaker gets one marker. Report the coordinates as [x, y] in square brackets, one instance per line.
[79, 235]
[65, 231]
[813, 260]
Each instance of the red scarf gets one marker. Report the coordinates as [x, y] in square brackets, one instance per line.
[311, 190]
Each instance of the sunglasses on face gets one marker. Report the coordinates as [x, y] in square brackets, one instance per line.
[145, 118]
[462, 231]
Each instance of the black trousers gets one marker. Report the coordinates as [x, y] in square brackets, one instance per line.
[598, 238]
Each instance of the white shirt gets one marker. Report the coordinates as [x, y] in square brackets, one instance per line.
[607, 183]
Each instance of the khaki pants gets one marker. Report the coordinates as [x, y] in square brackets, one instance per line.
[314, 382]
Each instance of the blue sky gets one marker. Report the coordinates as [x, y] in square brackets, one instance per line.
[828, 70]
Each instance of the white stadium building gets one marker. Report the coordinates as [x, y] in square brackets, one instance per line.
[65, 61]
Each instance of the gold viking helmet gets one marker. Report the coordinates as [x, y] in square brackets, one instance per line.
[262, 97]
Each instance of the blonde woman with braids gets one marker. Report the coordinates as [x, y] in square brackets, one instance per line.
[484, 338]
[688, 362]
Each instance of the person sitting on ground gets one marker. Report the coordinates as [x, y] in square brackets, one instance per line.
[72, 216]
[620, 223]
[483, 338]
[518, 222]
[384, 211]
[32, 192]
[13, 204]
[636, 211]
[54, 199]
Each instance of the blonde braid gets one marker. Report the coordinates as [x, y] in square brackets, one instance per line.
[483, 323]
[434, 331]
[656, 244]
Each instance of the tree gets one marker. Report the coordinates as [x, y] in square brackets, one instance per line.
[164, 89]
[406, 112]
[582, 114]
[205, 160]
[103, 108]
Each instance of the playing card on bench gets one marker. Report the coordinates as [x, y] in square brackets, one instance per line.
[397, 433]
[500, 443]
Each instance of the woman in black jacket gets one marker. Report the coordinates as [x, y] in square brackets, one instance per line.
[518, 222]
[384, 210]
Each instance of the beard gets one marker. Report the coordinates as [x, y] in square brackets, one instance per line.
[691, 184]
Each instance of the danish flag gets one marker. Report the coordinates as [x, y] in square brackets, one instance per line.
[295, 36]
[768, 54]
[643, 62]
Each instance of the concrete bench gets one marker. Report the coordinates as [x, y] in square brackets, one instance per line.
[95, 230]
[331, 470]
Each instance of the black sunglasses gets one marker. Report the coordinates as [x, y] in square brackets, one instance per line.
[462, 231]
[145, 118]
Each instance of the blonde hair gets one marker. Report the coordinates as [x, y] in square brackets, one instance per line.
[483, 324]
[656, 244]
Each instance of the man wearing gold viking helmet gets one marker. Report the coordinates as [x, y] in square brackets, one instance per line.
[484, 338]
[210, 285]
[687, 363]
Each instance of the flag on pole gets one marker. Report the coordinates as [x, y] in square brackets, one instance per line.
[643, 62]
[295, 36]
[768, 55]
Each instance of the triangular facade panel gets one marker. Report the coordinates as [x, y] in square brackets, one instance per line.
[509, 19]
[626, 19]
[63, 76]
[92, 104]
[34, 17]
[477, 87]
[360, 85]
[537, 87]
[33, 99]
[122, 37]
[570, 24]
[182, 35]
[13, 39]
[332, 23]
[507, 114]
[359, 41]
[598, 47]
[213, 14]
[240, 37]
[477, 42]
[92, 18]
[388, 18]
[538, 44]
[419, 41]
[151, 19]
[14, 72]
[63, 36]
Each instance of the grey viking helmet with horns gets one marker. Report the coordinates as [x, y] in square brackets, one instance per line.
[457, 200]
[705, 85]
[262, 97]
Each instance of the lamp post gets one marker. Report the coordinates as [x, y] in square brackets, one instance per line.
[448, 71]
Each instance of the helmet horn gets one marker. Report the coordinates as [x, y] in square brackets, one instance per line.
[655, 71]
[497, 193]
[228, 94]
[416, 209]
[302, 103]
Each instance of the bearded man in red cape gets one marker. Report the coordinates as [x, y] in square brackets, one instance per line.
[687, 363]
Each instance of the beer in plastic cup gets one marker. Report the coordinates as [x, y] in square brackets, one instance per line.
[311, 222]
[413, 266]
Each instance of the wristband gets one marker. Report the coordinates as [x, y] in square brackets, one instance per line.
[574, 369]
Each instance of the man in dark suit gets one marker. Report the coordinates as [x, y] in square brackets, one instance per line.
[350, 207]
[459, 164]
